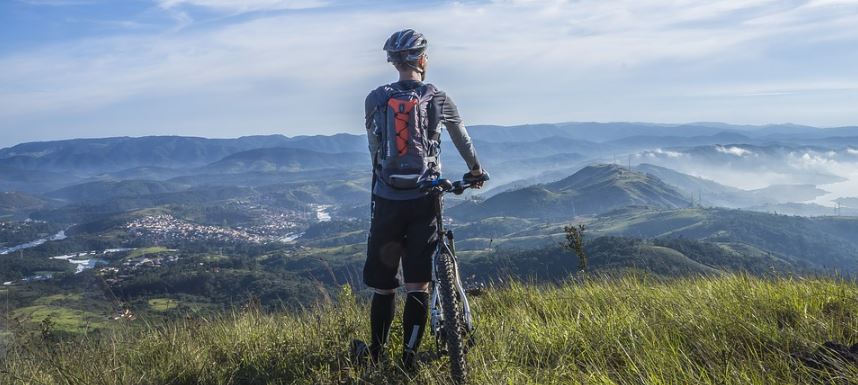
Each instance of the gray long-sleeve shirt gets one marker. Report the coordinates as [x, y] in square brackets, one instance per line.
[444, 111]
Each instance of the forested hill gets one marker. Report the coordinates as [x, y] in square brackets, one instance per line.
[592, 190]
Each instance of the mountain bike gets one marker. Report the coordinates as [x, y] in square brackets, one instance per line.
[451, 320]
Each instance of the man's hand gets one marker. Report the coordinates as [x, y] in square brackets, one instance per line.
[476, 178]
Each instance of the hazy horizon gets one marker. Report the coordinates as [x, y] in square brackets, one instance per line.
[311, 133]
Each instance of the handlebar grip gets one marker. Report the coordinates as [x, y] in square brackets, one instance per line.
[471, 179]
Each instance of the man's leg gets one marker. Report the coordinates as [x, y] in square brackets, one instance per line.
[381, 317]
[384, 251]
[417, 271]
[414, 319]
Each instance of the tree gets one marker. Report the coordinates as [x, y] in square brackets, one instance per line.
[575, 243]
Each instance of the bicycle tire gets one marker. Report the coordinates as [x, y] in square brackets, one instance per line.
[454, 323]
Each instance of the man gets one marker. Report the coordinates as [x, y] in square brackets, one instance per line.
[403, 126]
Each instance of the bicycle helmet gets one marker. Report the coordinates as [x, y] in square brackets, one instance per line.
[405, 46]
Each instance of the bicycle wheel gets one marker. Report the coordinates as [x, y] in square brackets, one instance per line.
[454, 325]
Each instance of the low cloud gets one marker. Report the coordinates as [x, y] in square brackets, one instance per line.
[658, 152]
[733, 150]
[244, 5]
[56, 3]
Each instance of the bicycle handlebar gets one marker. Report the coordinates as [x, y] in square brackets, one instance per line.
[442, 185]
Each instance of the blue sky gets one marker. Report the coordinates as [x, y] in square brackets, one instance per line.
[223, 68]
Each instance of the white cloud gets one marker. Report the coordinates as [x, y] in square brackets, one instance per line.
[244, 5]
[658, 152]
[58, 3]
[812, 160]
[506, 62]
[733, 150]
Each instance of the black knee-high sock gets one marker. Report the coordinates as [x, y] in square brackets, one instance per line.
[414, 319]
[380, 318]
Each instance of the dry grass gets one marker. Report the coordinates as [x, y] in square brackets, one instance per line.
[714, 330]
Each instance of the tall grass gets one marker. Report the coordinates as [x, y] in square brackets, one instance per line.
[713, 330]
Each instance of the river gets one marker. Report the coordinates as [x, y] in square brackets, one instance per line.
[56, 237]
[82, 265]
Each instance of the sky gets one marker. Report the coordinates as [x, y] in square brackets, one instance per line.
[228, 68]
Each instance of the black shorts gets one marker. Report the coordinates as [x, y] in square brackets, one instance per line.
[403, 230]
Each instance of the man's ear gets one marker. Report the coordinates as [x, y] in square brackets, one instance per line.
[422, 61]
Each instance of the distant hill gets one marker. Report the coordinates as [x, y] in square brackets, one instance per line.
[105, 155]
[32, 181]
[329, 143]
[670, 257]
[611, 131]
[787, 193]
[285, 159]
[851, 202]
[514, 154]
[639, 142]
[535, 147]
[13, 202]
[591, 131]
[716, 194]
[822, 242]
[142, 173]
[592, 190]
[108, 190]
[114, 154]
[803, 209]
[262, 178]
[798, 243]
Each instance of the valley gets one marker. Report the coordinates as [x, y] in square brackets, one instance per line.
[156, 227]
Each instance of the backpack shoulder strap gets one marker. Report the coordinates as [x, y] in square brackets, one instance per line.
[429, 91]
[381, 93]
[427, 94]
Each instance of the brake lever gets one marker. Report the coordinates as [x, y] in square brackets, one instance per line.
[437, 185]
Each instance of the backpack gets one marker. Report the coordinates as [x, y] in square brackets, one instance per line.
[409, 147]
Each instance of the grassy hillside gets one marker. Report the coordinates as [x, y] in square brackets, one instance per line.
[633, 330]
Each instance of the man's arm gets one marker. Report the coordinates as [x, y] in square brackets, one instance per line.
[453, 122]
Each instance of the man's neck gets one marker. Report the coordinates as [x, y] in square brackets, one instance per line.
[410, 75]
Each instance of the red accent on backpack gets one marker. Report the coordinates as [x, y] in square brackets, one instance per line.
[402, 110]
